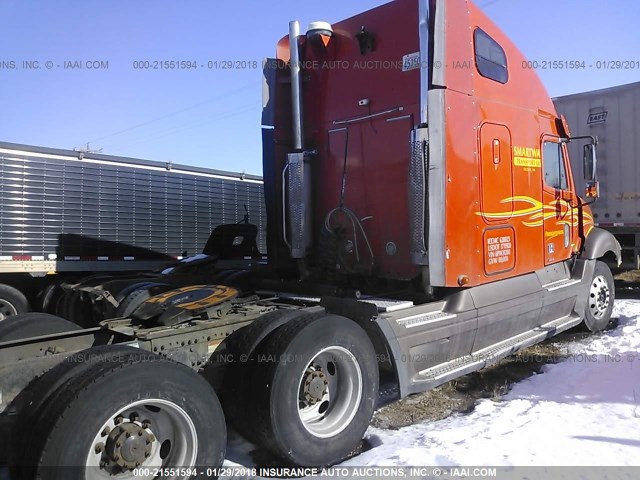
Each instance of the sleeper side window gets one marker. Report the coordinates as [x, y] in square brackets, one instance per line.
[491, 61]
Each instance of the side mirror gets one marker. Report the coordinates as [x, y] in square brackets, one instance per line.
[589, 162]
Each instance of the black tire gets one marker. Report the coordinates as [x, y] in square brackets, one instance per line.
[12, 302]
[132, 302]
[122, 294]
[138, 296]
[58, 308]
[249, 337]
[119, 289]
[43, 389]
[48, 297]
[75, 307]
[72, 421]
[242, 345]
[62, 308]
[80, 310]
[600, 301]
[228, 376]
[33, 324]
[279, 379]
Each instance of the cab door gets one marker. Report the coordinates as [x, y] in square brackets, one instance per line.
[557, 198]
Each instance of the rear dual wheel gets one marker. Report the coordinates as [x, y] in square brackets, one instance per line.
[316, 386]
[120, 411]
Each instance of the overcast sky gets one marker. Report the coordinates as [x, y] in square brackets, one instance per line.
[211, 117]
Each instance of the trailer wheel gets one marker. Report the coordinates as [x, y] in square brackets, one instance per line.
[12, 301]
[315, 390]
[147, 412]
[601, 296]
[33, 324]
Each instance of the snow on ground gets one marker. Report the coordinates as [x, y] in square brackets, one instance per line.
[583, 411]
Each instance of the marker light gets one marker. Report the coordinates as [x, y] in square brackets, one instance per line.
[321, 30]
[592, 190]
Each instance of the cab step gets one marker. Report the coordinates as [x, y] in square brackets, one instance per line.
[567, 282]
[424, 319]
[493, 354]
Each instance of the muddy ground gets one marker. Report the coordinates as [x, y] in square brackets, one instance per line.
[461, 394]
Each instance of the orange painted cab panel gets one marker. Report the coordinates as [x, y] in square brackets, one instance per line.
[499, 216]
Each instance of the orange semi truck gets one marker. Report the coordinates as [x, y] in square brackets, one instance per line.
[423, 221]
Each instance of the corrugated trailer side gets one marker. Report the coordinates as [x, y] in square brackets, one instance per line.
[68, 212]
[613, 115]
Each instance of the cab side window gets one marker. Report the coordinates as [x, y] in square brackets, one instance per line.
[555, 174]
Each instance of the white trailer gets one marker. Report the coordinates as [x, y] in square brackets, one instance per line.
[612, 115]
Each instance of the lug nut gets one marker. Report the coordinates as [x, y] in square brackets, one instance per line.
[139, 433]
[98, 448]
[116, 458]
[127, 435]
[118, 444]
[146, 424]
[118, 420]
[105, 432]
[147, 454]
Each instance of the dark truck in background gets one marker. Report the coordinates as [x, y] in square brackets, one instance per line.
[610, 114]
[65, 214]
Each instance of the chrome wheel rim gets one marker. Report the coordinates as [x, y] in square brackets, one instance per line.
[329, 392]
[6, 309]
[142, 436]
[599, 297]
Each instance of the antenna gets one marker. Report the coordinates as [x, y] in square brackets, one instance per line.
[82, 151]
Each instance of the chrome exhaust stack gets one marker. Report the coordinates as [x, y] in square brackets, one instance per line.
[296, 84]
[298, 164]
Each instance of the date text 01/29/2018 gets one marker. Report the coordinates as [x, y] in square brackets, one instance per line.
[195, 65]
